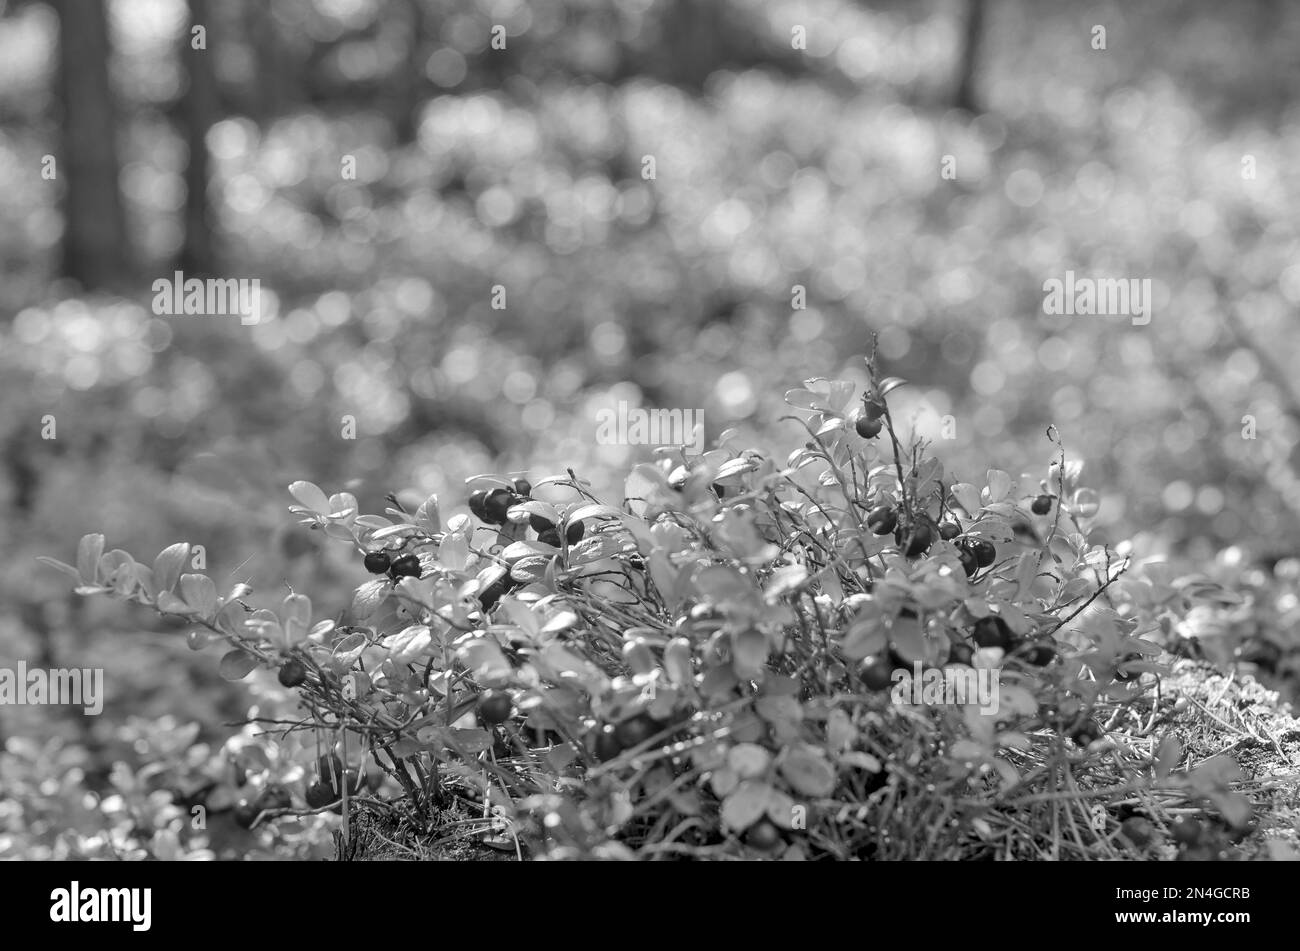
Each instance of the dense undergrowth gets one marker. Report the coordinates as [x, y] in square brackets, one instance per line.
[714, 666]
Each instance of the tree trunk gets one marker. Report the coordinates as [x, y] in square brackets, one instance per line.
[94, 234]
[966, 97]
[197, 113]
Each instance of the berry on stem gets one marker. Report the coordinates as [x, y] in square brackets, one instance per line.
[405, 566]
[919, 540]
[1040, 654]
[763, 835]
[882, 519]
[876, 672]
[245, 814]
[992, 631]
[292, 673]
[984, 552]
[867, 428]
[495, 706]
[320, 794]
[496, 505]
[1041, 505]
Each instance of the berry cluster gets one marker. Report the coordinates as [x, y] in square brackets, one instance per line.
[397, 566]
[491, 506]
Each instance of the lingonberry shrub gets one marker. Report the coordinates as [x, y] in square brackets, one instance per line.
[708, 666]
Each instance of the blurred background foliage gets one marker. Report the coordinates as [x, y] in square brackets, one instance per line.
[522, 167]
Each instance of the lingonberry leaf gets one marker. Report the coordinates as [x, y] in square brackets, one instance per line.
[807, 771]
[745, 804]
[167, 566]
[199, 593]
[427, 518]
[237, 664]
[60, 566]
[748, 760]
[89, 550]
[310, 496]
[999, 485]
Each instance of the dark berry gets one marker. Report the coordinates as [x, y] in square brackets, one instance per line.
[1137, 830]
[897, 661]
[1185, 830]
[920, 539]
[949, 530]
[540, 523]
[245, 814]
[872, 408]
[405, 566]
[377, 562]
[1040, 654]
[496, 505]
[867, 428]
[320, 794]
[882, 519]
[495, 706]
[984, 552]
[573, 534]
[876, 672]
[961, 654]
[992, 631]
[549, 537]
[763, 835]
[635, 731]
[1041, 505]
[607, 744]
[477, 498]
[292, 673]
[523, 487]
